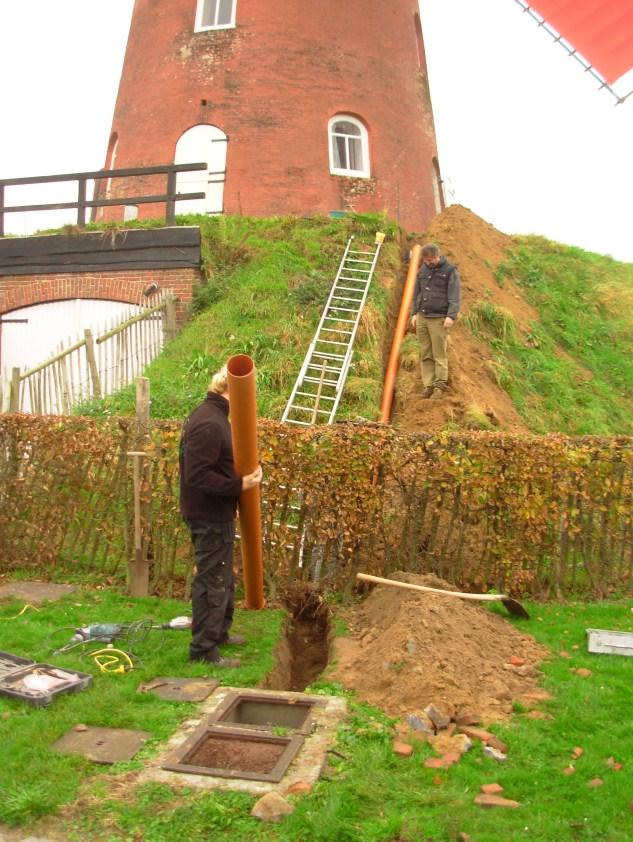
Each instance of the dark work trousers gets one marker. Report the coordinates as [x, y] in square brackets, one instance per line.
[212, 589]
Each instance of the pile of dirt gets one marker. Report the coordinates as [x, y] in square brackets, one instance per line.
[408, 650]
[476, 248]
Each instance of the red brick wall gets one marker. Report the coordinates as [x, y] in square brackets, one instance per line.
[18, 291]
[271, 84]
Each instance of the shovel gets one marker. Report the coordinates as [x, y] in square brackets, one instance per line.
[515, 608]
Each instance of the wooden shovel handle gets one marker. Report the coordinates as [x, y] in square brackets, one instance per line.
[486, 597]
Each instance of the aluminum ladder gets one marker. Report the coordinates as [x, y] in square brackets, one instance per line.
[317, 392]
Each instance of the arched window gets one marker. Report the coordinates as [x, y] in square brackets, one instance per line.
[349, 146]
[215, 14]
[202, 143]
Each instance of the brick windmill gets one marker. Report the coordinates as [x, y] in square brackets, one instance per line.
[296, 107]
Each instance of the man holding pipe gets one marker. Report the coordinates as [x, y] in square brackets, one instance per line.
[209, 491]
[434, 309]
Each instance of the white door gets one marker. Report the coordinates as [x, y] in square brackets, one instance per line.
[208, 144]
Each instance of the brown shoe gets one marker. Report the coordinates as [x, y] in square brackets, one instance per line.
[437, 394]
[427, 392]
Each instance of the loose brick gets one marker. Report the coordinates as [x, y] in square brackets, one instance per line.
[495, 801]
[402, 749]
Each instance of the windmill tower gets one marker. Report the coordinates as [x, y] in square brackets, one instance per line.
[297, 107]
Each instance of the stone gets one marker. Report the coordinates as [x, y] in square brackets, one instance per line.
[595, 782]
[434, 763]
[421, 723]
[475, 733]
[450, 758]
[271, 807]
[538, 714]
[495, 742]
[402, 749]
[495, 801]
[583, 672]
[491, 789]
[578, 751]
[569, 770]
[537, 696]
[299, 788]
[439, 718]
[516, 661]
[467, 717]
[80, 727]
[489, 751]
[443, 743]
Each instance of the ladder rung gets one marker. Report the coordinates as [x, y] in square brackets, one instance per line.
[349, 289]
[358, 280]
[308, 409]
[293, 421]
[325, 355]
[334, 330]
[313, 395]
[343, 309]
[369, 253]
[317, 380]
[334, 342]
[356, 260]
[345, 298]
[327, 369]
[334, 319]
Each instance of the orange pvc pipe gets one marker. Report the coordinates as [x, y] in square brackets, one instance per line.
[398, 335]
[243, 408]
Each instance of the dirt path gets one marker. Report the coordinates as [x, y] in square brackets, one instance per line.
[477, 249]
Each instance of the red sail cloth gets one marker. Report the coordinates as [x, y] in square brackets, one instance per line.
[600, 30]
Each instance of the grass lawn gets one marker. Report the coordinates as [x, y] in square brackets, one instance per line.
[366, 792]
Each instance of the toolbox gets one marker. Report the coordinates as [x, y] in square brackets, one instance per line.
[37, 684]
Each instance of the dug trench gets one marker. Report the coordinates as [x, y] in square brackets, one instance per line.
[303, 652]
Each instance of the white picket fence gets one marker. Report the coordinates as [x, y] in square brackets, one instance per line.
[99, 364]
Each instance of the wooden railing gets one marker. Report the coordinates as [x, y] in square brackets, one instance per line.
[94, 366]
[170, 197]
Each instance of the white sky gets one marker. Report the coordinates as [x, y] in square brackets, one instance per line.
[525, 139]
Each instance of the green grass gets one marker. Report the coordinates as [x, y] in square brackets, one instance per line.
[34, 779]
[267, 283]
[366, 793]
[573, 370]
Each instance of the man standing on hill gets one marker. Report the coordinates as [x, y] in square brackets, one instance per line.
[209, 491]
[434, 309]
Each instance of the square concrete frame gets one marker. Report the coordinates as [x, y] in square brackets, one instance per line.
[305, 768]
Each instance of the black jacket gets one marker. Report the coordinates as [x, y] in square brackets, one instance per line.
[436, 293]
[209, 486]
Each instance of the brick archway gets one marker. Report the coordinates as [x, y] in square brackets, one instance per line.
[18, 291]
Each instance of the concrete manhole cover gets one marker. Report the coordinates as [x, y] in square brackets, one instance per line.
[180, 689]
[34, 592]
[102, 745]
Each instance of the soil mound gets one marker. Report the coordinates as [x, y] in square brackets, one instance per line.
[407, 650]
[476, 248]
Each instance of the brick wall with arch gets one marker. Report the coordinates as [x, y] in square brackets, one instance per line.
[128, 286]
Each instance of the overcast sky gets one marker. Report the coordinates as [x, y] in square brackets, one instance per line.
[525, 139]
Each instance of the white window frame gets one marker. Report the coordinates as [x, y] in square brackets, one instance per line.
[199, 15]
[365, 172]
